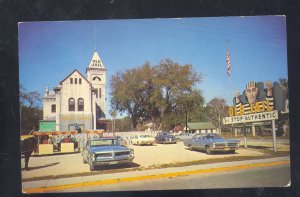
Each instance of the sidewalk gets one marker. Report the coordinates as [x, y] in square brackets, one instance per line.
[82, 181]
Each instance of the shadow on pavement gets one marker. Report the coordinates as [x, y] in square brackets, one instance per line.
[260, 147]
[117, 166]
[39, 167]
[215, 152]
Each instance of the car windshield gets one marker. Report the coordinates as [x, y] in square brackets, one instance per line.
[216, 136]
[105, 142]
[145, 136]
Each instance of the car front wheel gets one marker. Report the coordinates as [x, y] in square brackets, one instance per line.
[207, 149]
[92, 167]
[190, 147]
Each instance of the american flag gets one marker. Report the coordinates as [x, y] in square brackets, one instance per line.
[228, 61]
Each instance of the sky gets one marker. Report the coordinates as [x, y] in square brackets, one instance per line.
[50, 51]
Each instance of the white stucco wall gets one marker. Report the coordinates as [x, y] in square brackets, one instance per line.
[47, 113]
[75, 91]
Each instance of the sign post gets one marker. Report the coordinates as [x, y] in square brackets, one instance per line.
[256, 104]
[274, 136]
[257, 117]
[245, 136]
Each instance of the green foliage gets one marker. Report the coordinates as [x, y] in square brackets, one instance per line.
[160, 94]
[217, 109]
[30, 118]
[121, 125]
[29, 110]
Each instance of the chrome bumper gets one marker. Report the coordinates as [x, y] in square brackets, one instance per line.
[112, 162]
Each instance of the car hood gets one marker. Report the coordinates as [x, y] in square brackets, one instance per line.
[107, 148]
[225, 141]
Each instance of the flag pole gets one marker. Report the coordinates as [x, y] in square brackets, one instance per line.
[228, 61]
[230, 101]
[95, 36]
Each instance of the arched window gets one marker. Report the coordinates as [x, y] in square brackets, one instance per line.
[71, 104]
[80, 104]
[99, 79]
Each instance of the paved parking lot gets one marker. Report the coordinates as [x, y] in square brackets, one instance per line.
[145, 156]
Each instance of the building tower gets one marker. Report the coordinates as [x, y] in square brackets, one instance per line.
[96, 74]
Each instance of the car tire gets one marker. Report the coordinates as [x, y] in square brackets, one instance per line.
[92, 167]
[232, 152]
[207, 150]
[190, 148]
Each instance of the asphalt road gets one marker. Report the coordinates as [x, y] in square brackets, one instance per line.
[268, 176]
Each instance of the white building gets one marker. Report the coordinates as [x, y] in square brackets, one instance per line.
[77, 99]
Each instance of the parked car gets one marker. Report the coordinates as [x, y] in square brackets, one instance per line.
[211, 143]
[165, 137]
[142, 139]
[106, 151]
[184, 136]
[121, 141]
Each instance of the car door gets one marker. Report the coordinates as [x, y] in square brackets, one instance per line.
[198, 142]
[201, 142]
[138, 139]
[134, 139]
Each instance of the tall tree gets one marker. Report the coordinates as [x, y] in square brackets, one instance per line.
[173, 80]
[217, 109]
[189, 105]
[128, 92]
[152, 93]
[30, 109]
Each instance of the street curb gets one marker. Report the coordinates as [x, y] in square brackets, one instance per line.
[149, 177]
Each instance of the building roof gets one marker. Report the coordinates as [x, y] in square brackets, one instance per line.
[79, 74]
[96, 61]
[200, 125]
[51, 94]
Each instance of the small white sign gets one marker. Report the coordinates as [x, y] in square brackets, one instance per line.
[257, 117]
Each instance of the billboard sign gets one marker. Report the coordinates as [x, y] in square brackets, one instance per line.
[256, 104]
[256, 117]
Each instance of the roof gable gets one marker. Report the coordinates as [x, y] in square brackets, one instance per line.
[201, 125]
[72, 74]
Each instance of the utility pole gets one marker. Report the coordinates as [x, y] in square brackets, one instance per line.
[186, 118]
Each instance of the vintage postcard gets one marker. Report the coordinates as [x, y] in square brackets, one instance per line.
[154, 104]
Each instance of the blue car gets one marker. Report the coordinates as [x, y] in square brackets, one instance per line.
[106, 151]
[165, 138]
[211, 143]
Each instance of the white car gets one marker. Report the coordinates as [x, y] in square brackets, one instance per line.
[142, 139]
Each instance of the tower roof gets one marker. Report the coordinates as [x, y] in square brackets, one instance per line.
[96, 61]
